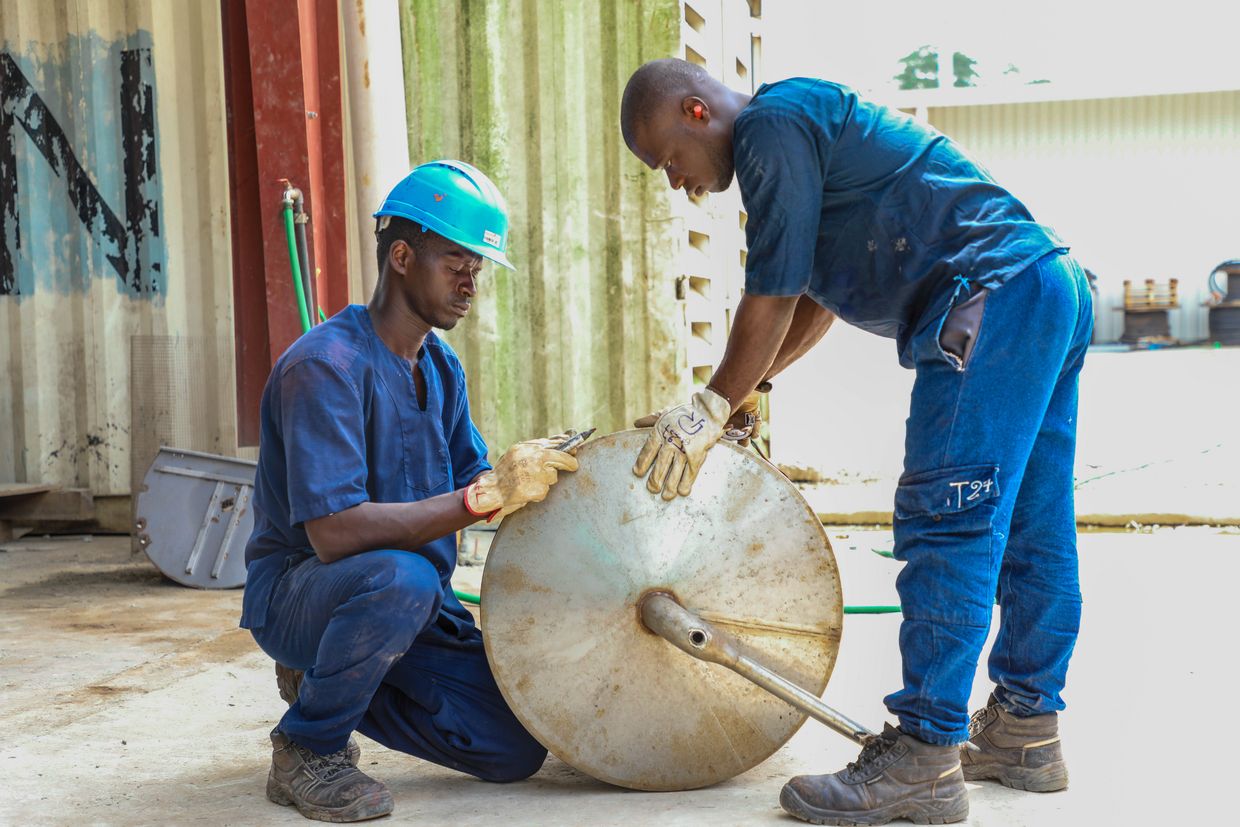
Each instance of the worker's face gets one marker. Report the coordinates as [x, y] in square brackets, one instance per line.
[693, 148]
[440, 281]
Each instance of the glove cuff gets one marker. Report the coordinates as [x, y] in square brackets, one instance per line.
[469, 499]
[715, 405]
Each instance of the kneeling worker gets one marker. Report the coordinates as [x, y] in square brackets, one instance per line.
[368, 465]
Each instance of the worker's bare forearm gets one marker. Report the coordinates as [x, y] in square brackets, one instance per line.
[810, 323]
[758, 332]
[369, 526]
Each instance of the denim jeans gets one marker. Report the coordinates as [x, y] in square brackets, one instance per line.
[984, 509]
[377, 659]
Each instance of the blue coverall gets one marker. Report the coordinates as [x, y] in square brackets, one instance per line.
[889, 225]
[387, 648]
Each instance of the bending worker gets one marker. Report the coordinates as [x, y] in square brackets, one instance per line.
[860, 212]
[368, 465]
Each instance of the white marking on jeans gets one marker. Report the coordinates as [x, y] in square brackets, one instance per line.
[976, 489]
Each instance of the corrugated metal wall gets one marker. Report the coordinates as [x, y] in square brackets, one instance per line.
[585, 332]
[623, 291]
[1141, 187]
[113, 224]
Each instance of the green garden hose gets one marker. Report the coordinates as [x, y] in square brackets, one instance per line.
[296, 267]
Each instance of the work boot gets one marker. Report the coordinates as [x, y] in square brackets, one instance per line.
[323, 787]
[896, 776]
[1022, 753]
[288, 681]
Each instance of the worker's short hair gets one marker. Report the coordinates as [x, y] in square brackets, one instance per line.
[391, 228]
[651, 85]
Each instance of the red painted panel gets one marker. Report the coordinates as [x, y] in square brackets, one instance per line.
[280, 140]
[333, 257]
[253, 354]
[286, 120]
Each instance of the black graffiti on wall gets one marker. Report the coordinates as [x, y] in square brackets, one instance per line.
[125, 244]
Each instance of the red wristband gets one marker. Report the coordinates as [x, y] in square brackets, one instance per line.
[489, 515]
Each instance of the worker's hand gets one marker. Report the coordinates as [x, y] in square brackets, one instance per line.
[678, 444]
[744, 424]
[523, 475]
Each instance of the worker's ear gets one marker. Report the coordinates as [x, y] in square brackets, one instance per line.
[400, 256]
[696, 109]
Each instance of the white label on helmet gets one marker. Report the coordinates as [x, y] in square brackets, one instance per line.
[490, 238]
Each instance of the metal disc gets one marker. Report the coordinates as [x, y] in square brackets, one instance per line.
[560, 618]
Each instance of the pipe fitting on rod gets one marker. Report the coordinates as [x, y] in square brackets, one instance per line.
[663, 615]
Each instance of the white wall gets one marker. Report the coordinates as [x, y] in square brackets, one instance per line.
[1141, 187]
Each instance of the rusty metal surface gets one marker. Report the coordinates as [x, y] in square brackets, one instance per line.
[561, 588]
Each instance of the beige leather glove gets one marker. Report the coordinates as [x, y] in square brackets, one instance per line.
[523, 475]
[745, 422]
[678, 444]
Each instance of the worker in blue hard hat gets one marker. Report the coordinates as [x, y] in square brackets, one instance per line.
[369, 463]
[860, 212]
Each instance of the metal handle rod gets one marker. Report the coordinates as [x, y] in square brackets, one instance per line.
[240, 504]
[210, 515]
[686, 631]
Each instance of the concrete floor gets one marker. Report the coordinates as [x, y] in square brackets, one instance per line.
[125, 699]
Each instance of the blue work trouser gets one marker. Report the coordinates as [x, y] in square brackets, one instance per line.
[364, 630]
[985, 505]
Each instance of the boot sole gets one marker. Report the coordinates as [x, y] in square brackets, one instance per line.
[1049, 779]
[918, 812]
[371, 806]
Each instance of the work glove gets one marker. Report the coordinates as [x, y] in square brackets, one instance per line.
[747, 421]
[740, 427]
[678, 444]
[523, 475]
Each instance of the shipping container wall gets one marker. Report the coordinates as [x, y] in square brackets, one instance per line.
[114, 235]
[587, 332]
[1140, 187]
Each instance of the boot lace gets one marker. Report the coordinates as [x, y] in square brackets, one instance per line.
[979, 720]
[873, 749]
[327, 767]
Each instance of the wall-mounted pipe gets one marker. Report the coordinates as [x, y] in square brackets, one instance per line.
[308, 281]
[289, 198]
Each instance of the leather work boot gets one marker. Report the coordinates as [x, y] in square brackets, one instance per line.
[896, 776]
[323, 787]
[1022, 753]
[288, 681]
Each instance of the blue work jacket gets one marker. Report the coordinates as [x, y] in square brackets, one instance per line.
[341, 425]
[871, 213]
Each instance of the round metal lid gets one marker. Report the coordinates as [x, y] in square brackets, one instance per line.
[588, 680]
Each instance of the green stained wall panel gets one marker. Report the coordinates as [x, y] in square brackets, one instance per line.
[587, 331]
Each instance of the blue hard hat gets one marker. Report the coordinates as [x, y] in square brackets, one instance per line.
[457, 201]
